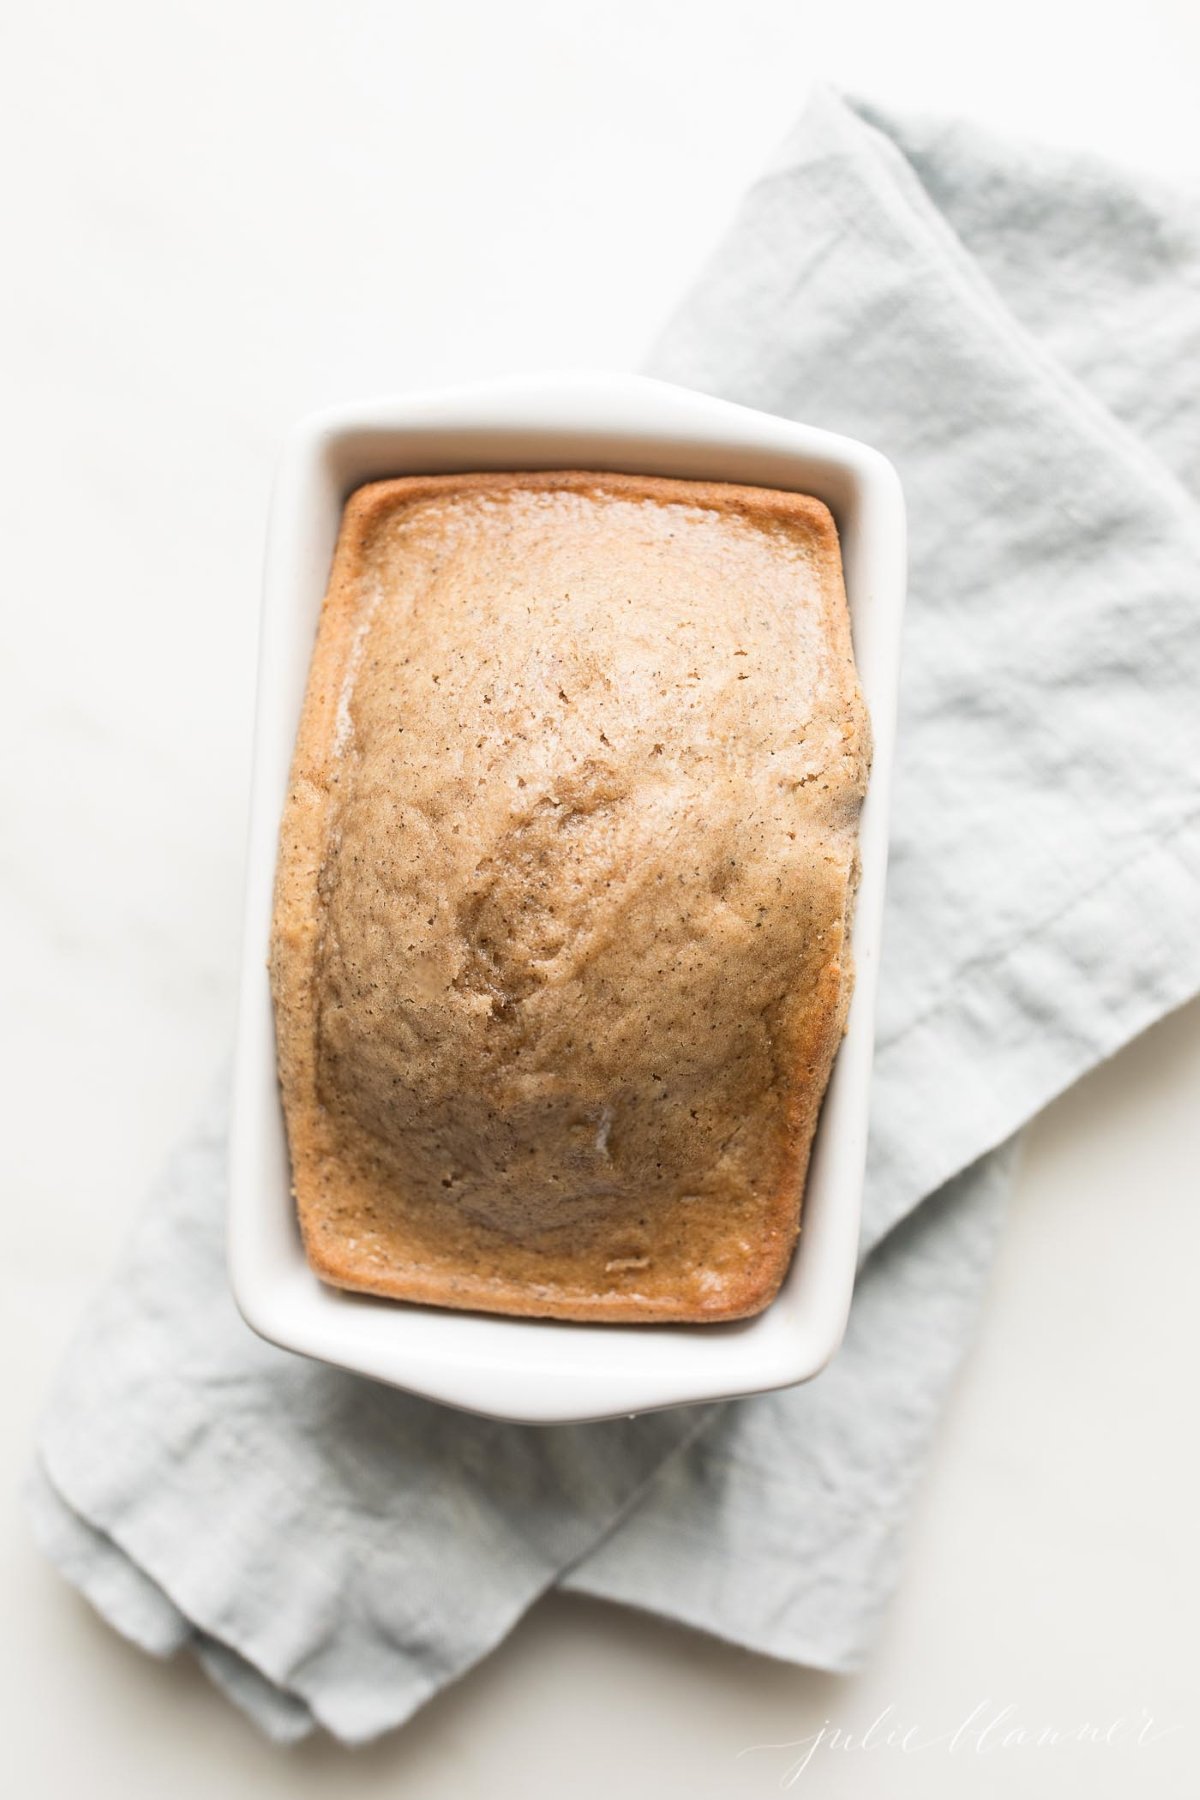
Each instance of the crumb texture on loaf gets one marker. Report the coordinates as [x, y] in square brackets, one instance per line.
[559, 953]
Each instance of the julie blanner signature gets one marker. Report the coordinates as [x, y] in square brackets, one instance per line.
[988, 1729]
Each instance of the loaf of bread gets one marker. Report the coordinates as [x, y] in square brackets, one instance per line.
[560, 953]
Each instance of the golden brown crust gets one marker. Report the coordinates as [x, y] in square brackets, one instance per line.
[560, 955]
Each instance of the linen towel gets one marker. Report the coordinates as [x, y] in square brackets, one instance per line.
[1020, 332]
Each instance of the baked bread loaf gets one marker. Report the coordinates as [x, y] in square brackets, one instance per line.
[560, 956]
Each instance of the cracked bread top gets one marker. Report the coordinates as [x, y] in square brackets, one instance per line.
[560, 956]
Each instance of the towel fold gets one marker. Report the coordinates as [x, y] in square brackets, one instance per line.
[1019, 331]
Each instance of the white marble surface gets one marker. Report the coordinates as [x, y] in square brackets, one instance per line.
[218, 216]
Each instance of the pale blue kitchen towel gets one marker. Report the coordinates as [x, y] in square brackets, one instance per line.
[1020, 332]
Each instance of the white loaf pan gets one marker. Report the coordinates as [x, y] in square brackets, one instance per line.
[533, 1370]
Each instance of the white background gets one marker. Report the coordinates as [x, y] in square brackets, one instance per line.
[218, 214]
